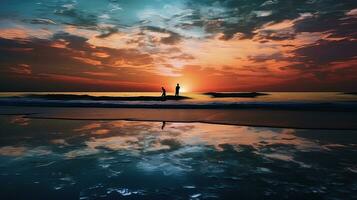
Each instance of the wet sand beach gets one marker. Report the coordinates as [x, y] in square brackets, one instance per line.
[248, 117]
[119, 159]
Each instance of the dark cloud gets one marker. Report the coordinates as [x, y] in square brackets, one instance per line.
[77, 17]
[336, 24]
[263, 57]
[183, 56]
[321, 58]
[75, 42]
[28, 62]
[242, 17]
[42, 21]
[107, 31]
[324, 52]
[173, 37]
[267, 35]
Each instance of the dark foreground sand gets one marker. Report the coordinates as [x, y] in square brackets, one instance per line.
[248, 117]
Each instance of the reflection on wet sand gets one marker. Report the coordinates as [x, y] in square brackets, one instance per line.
[12, 151]
[147, 136]
[20, 120]
[186, 160]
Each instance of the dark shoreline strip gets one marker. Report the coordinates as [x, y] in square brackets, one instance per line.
[350, 93]
[235, 94]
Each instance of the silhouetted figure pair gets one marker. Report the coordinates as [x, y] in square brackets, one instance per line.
[177, 91]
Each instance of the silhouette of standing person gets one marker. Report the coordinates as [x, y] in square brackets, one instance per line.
[163, 92]
[177, 91]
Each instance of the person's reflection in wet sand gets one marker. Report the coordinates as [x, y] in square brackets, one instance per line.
[163, 125]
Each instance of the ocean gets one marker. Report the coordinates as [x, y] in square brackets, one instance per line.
[282, 145]
[201, 97]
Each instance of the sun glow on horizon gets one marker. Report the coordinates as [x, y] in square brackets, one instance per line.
[183, 89]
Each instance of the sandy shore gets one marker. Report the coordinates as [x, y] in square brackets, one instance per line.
[248, 117]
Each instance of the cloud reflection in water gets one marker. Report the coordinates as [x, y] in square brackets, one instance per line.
[185, 159]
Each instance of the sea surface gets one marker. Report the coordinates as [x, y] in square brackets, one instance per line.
[119, 159]
[201, 97]
[283, 100]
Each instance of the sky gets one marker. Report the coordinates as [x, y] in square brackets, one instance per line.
[205, 45]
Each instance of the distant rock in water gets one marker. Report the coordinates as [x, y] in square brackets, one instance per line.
[235, 94]
[351, 93]
[104, 98]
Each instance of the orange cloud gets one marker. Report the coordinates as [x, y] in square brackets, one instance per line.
[24, 33]
[109, 84]
[103, 74]
[101, 54]
[22, 69]
[88, 60]
[62, 44]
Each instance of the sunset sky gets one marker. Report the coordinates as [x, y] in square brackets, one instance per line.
[205, 45]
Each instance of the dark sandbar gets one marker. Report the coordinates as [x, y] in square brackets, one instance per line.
[235, 94]
[104, 98]
[351, 93]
